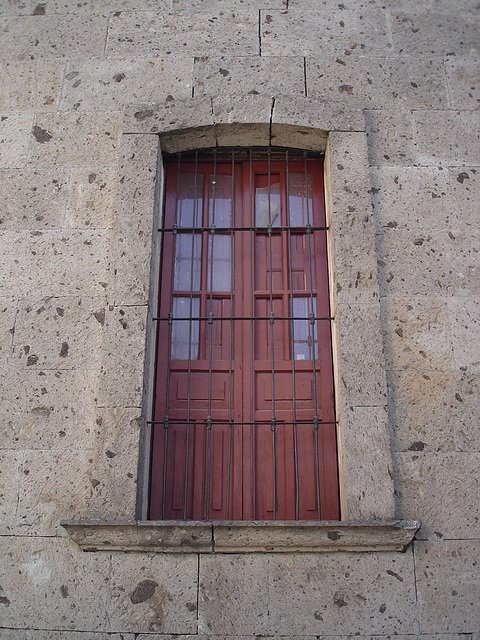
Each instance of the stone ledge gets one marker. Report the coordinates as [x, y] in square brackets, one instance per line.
[242, 537]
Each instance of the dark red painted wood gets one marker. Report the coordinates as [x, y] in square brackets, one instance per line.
[207, 470]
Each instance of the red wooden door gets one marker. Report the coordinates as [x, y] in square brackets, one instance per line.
[244, 413]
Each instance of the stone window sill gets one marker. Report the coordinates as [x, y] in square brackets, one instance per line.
[242, 537]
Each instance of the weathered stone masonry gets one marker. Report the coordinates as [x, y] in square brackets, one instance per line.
[90, 92]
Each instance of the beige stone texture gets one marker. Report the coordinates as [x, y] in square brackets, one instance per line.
[121, 381]
[251, 109]
[421, 33]
[33, 84]
[137, 175]
[320, 115]
[11, 469]
[75, 139]
[435, 411]
[170, 115]
[300, 32]
[421, 476]
[8, 313]
[59, 334]
[419, 336]
[28, 634]
[153, 593]
[14, 139]
[114, 477]
[463, 82]
[465, 320]
[33, 198]
[461, 145]
[241, 595]
[48, 410]
[447, 585]
[116, 84]
[195, 34]
[214, 76]
[58, 36]
[50, 585]
[378, 83]
[54, 263]
[391, 139]
[91, 198]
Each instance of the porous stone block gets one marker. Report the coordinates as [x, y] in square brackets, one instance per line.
[33, 84]
[58, 333]
[74, 140]
[378, 82]
[137, 174]
[292, 595]
[54, 485]
[434, 33]
[390, 136]
[426, 260]
[465, 321]
[21, 7]
[419, 334]
[169, 115]
[461, 145]
[182, 5]
[121, 378]
[366, 479]
[361, 354]
[194, 34]
[242, 76]
[464, 183]
[448, 585]
[153, 593]
[14, 139]
[251, 116]
[463, 77]
[33, 198]
[11, 468]
[8, 313]
[423, 476]
[19, 634]
[55, 263]
[131, 254]
[50, 584]
[435, 411]
[114, 473]
[416, 198]
[308, 32]
[48, 409]
[91, 198]
[58, 36]
[116, 84]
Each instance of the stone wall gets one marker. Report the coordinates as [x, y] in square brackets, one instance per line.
[85, 87]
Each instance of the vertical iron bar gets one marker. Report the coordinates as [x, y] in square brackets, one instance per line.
[252, 375]
[232, 224]
[272, 338]
[169, 348]
[292, 340]
[190, 321]
[210, 334]
[314, 331]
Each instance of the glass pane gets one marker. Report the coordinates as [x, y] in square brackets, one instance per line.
[189, 212]
[187, 266]
[222, 259]
[300, 215]
[305, 343]
[267, 201]
[220, 215]
[182, 333]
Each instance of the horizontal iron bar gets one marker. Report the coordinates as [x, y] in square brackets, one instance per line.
[235, 423]
[265, 229]
[211, 318]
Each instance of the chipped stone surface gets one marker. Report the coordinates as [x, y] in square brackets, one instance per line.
[421, 477]
[447, 585]
[19, 634]
[8, 312]
[31, 85]
[323, 115]
[378, 83]
[391, 139]
[329, 590]
[215, 76]
[33, 198]
[463, 82]
[465, 320]
[58, 333]
[195, 34]
[54, 263]
[301, 32]
[118, 83]
[153, 593]
[170, 115]
[75, 139]
[11, 468]
[461, 145]
[14, 139]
